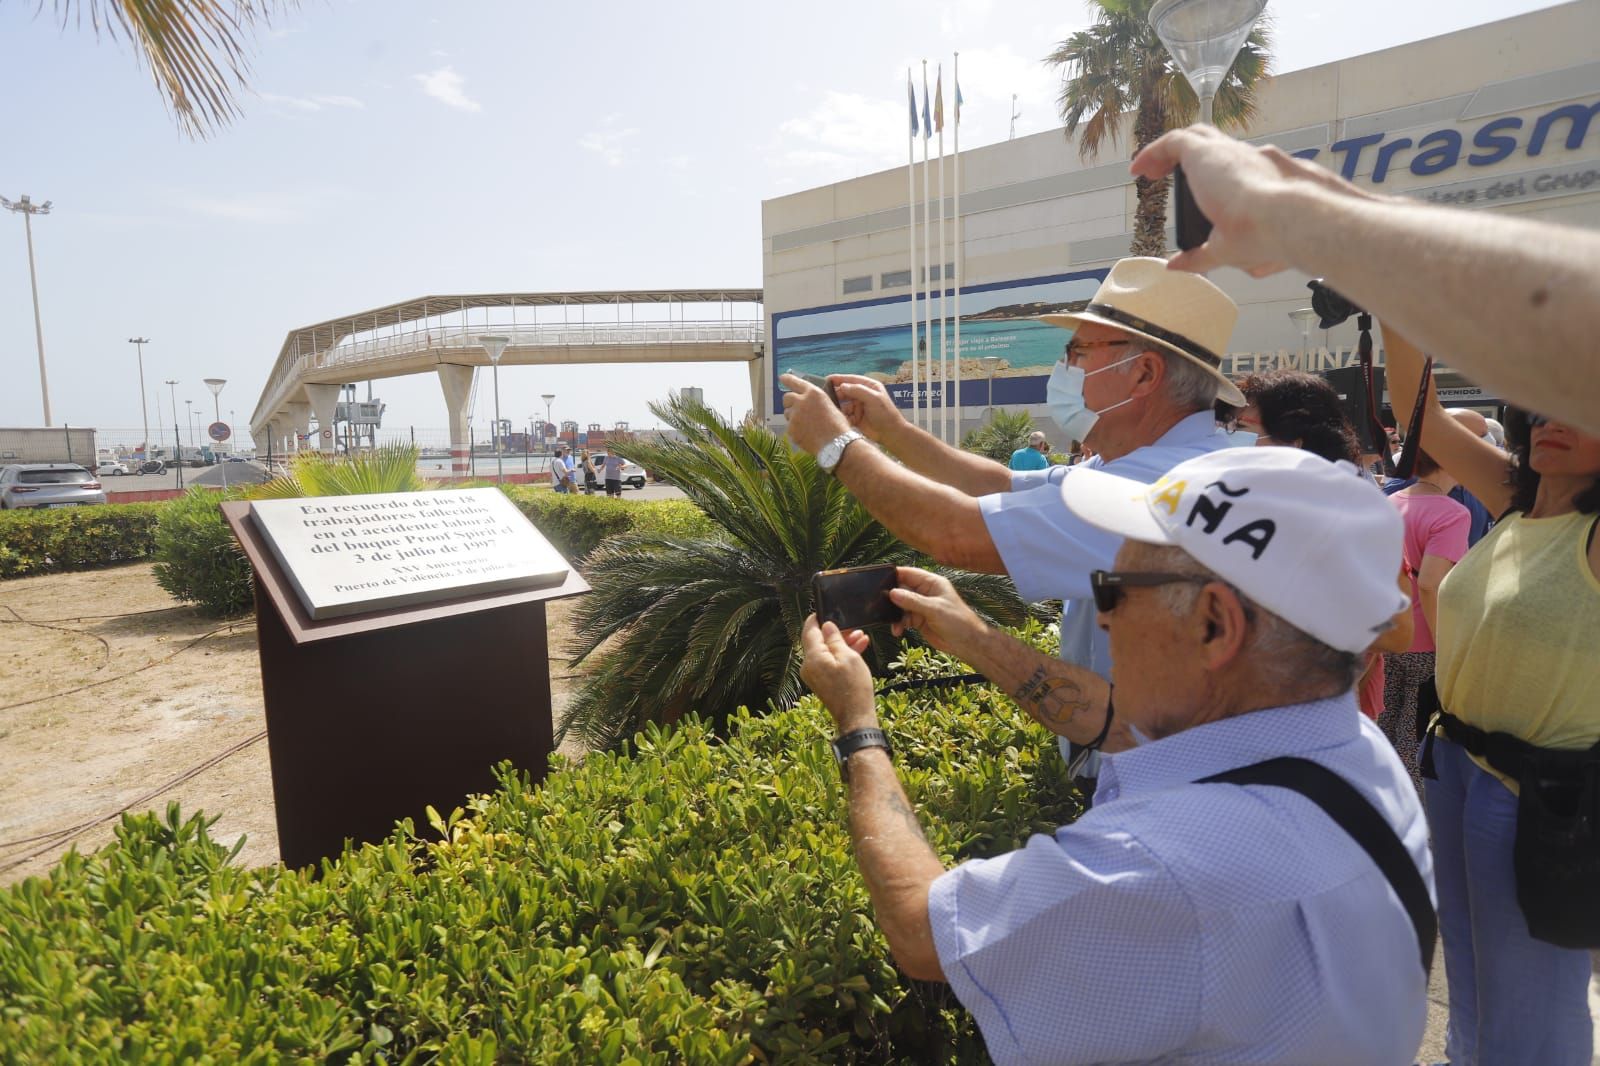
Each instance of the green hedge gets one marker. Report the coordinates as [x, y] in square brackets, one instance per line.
[42, 541]
[199, 561]
[577, 525]
[692, 901]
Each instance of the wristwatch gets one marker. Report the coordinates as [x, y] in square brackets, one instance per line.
[854, 741]
[829, 454]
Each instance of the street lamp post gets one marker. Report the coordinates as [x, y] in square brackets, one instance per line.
[1204, 37]
[177, 439]
[144, 411]
[548, 396]
[1303, 317]
[188, 409]
[27, 209]
[215, 385]
[496, 347]
[990, 364]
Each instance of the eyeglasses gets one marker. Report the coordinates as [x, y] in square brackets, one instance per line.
[1075, 349]
[1535, 421]
[1109, 586]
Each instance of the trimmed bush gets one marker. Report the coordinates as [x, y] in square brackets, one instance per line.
[199, 560]
[42, 541]
[691, 901]
[577, 525]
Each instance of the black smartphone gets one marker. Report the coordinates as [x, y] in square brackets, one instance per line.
[1192, 224]
[820, 382]
[855, 597]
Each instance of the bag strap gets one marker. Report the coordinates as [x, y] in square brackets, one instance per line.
[1350, 810]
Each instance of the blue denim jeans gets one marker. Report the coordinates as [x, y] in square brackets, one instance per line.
[1513, 999]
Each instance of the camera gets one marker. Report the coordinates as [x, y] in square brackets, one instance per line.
[1332, 308]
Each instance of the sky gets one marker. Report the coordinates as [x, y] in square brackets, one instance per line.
[396, 148]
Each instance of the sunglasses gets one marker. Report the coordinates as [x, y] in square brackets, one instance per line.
[1109, 586]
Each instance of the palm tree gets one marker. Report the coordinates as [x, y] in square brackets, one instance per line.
[1005, 433]
[196, 49]
[680, 624]
[392, 468]
[1119, 65]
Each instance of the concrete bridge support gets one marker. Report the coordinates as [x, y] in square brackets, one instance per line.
[456, 380]
[325, 404]
[300, 419]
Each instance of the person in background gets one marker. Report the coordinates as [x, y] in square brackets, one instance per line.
[586, 465]
[1436, 539]
[1294, 409]
[1516, 635]
[1036, 456]
[561, 470]
[613, 473]
[1478, 426]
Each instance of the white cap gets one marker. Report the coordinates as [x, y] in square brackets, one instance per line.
[1301, 536]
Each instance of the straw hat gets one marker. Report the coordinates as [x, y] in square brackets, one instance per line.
[1177, 310]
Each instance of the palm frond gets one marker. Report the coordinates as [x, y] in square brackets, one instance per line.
[196, 49]
[392, 468]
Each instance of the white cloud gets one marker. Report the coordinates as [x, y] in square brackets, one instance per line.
[267, 208]
[447, 87]
[610, 145]
[841, 130]
[311, 103]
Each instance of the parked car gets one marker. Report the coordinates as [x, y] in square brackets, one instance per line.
[153, 466]
[632, 473]
[48, 485]
[110, 468]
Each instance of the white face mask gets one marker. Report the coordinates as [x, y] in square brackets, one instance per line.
[1064, 394]
[1241, 438]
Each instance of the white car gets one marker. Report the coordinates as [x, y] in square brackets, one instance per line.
[110, 468]
[632, 473]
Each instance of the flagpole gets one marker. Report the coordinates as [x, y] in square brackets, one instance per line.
[911, 239]
[955, 235]
[944, 346]
[927, 241]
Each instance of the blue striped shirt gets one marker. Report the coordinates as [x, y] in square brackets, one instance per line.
[1199, 923]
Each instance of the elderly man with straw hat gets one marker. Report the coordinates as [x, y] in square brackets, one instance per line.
[1252, 884]
[1136, 383]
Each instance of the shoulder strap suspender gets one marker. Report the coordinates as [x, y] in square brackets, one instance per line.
[1350, 810]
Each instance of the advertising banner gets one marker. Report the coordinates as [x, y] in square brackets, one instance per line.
[873, 338]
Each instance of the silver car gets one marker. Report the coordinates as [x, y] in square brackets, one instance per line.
[48, 485]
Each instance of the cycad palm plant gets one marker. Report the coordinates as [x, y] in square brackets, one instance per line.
[392, 468]
[1005, 433]
[1119, 65]
[711, 624]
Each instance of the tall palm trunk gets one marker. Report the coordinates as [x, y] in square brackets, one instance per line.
[1150, 214]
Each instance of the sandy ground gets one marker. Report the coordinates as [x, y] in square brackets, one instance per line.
[99, 713]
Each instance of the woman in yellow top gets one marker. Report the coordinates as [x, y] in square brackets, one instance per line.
[1519, 653]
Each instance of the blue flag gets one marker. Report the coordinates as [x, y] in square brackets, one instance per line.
[911, 98]
[927, 120]
[959, 102]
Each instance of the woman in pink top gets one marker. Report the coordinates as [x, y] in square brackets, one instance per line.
[1436, 539]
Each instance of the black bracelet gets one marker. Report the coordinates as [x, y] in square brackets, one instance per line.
[1105, 730]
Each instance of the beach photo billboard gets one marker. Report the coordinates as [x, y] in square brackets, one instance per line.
[873, 338]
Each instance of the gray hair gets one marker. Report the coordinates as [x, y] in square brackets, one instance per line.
[1284, 654]
[1188, 385]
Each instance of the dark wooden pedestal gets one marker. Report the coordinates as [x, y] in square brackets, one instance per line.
[372, 718]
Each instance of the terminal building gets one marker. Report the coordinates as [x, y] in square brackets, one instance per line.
[1500, 117]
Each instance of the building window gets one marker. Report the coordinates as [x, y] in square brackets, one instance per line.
[895, 279]
[949, 272]
[861, 284]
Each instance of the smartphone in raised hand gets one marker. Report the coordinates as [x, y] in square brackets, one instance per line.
[856, 597]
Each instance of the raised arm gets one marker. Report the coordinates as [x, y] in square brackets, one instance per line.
[1512, 304]
[866, 403]
[1474, 462]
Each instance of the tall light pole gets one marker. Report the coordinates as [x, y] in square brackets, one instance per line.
[547, 398]
[27, 209]
[1303, 317]
[188, 408]
[496, 347]
[990, 364]
[177, 439]
[215, 385]
[144, 410]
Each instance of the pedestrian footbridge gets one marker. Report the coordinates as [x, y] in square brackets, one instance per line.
[441, 335]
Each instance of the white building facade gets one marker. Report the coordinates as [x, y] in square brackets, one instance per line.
[1501, 117]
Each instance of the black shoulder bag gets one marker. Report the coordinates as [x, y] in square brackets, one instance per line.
[1340, 801]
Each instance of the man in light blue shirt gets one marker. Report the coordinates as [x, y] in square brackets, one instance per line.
[1179, 919]
[1032, 457]
[1137, 383]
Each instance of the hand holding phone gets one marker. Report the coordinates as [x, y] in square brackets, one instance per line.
[1192, 224]
[856, 597]
[820, 382]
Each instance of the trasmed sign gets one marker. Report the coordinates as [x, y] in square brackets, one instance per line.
[353, 554]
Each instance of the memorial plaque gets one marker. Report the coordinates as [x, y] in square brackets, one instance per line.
[352, 554]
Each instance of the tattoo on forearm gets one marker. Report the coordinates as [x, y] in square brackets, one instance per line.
[896, 802]
[1053, 701]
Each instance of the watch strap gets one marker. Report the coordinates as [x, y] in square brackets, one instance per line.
[831, 454]
[854, 741]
